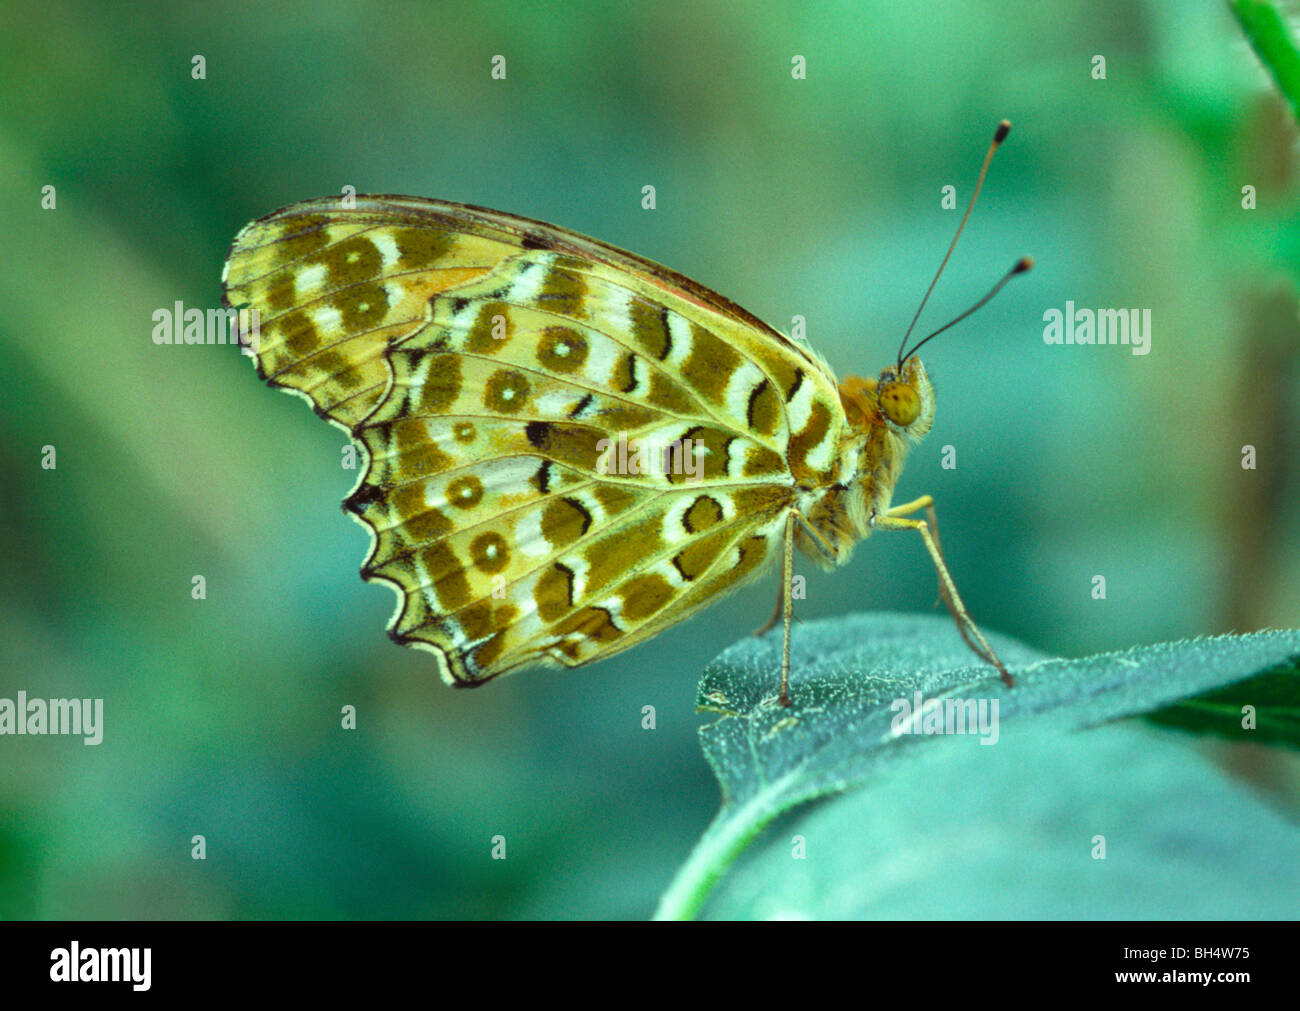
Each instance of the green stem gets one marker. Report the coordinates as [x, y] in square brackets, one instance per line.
[732, 829]
[1270, 35]
[725, 838]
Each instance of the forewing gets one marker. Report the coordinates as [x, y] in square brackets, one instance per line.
[493, 367]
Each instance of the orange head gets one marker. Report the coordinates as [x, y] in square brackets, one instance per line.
[901, 398]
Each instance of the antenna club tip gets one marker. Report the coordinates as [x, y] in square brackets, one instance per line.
[1004, 128]
[1023, 264]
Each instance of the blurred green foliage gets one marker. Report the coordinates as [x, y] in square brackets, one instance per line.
[816, 197]
[1273, 37]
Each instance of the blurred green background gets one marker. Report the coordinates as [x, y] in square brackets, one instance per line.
[817, 197]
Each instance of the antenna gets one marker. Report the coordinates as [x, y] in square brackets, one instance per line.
[1023, 264]
[999, 136]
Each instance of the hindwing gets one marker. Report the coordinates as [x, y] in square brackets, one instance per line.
[503, 375]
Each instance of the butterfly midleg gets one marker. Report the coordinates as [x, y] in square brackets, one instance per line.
[907, 508]
[927, 503]
[894, 520]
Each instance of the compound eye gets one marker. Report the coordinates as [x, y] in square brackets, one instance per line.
[899, 402]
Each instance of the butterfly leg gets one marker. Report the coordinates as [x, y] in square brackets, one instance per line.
[927, 503]
[764, 628]
[776, 615]
[895, 519]
[787, 605]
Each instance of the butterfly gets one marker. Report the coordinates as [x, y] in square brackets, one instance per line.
[505, 378]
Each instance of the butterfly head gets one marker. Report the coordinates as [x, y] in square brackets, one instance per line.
[901, 398]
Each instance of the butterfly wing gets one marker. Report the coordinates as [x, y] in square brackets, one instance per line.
[503, 376]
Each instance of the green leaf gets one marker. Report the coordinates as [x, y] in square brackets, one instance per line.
[1014, 832]
[851, 678]
[1274, 697]
[1270, 35]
